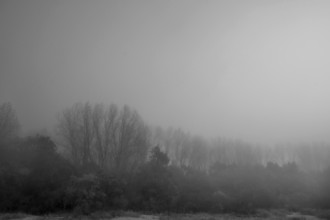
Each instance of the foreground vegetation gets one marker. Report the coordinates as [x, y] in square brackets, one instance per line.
[126, 215]
[106, 162]
[36, 179]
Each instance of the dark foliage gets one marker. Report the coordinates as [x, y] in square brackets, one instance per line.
[35, 178]
[153, 188]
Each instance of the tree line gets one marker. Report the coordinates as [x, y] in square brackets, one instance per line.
[106, 157]
[107, 136]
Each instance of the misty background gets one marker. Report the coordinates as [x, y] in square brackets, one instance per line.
[254, 70]
[165, 107]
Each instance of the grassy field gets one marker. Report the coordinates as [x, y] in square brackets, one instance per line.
[270, 215]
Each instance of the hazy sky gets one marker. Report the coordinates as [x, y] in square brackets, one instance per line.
[256, 70]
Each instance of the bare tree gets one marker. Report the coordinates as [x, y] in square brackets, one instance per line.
[131, 140]
[76, 131]
[175, 143]
[181, 141]
[114, 140]
[198, 157]
[9, 125]
[87, 134]
[105, 125]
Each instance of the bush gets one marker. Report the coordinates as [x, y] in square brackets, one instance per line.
[84, 194]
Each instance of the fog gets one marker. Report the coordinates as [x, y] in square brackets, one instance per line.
[254, 70]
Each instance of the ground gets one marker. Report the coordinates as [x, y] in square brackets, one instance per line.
[268, 215]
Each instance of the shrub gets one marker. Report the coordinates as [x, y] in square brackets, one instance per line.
[84, 194]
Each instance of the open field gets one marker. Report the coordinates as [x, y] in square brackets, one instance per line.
[270, 215]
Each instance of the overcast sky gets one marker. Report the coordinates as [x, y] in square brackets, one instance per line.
[256, 70]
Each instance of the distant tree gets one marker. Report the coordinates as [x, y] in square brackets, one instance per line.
[9, 125]
[105, 126]
[76, 131]
[158, 157]
[131, 141]
[290, 168]
[153, 185]
[218, 167]
[198, 158]
[273, 167]
[113, 139]
[182, 147]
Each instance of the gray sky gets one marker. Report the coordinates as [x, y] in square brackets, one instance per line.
[256, 70]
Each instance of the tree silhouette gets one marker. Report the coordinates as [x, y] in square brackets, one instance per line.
[9, 125]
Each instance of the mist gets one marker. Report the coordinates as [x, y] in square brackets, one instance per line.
[252, 70]
[165, 108]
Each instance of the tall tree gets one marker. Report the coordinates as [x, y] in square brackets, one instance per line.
[74, 129]
[198, 158]
[112, 139]
[132, 140]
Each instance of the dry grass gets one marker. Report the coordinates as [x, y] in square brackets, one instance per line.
[212, 217]
[262, 214]
[128, 215]
[18, 215]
